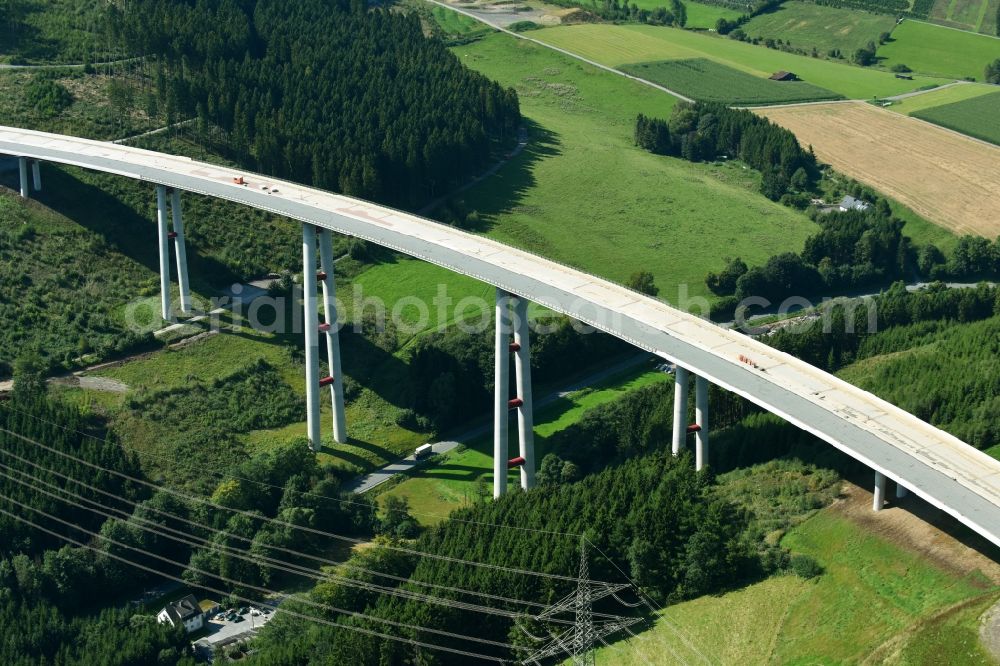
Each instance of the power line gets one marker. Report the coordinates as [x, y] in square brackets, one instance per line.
[200, 500]
[227, 475]
[256, 588]
[127, 516]
[645, 599]
[303, 616]
[289, 567]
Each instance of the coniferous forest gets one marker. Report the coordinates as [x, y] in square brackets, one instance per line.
[325, 93]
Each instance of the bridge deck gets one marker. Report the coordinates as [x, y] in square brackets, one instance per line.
[936, 466]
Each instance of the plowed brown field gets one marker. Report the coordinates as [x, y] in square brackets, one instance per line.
[951, 180]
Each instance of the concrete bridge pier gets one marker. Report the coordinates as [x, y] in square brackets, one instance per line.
[522, 372]
[331, 327]
[701, 420]
[180, 249]
[36, 175]
[22, 167]
[501, 388]
[878, 500]
[901, 491]
[310, 324]
[163, 235]
[680, 409]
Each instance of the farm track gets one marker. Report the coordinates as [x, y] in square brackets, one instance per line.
[565, 52]
[945, 176]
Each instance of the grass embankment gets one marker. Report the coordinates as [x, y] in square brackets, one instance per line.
[978, 117]
[582, 193]
[939, 51]
[617, 45]
[806, 26]
[872, 591]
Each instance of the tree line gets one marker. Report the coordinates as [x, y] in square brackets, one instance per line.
[701, 131]
[325, 93]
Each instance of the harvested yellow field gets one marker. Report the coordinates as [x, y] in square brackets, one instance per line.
[951, 180]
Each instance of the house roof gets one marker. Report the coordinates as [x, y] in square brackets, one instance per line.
[782, 75]
[183, 609]
[850, 203]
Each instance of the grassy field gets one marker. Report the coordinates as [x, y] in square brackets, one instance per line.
[872, 591]
[437, 489]
[947, 95]
[620, 45]
[975, 15]
[709, 81]
[978, 117]
[583, 194]
[938, 51]
[806, 26]
[699, 16]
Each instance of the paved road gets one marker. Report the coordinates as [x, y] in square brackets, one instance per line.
[407, 464]
[482, 19]
[915, 93]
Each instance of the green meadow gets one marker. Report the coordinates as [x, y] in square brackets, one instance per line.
[617, 45]
[939, 51]
[699, 16]
[875, 600]
[584, 194]
[806, 26]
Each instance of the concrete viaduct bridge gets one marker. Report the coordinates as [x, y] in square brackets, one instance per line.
[918, 457]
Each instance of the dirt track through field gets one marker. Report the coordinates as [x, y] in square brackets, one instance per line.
[952, 180]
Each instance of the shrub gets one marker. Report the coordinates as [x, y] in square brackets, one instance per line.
[49, 97]
[805, 566]
[522, 26]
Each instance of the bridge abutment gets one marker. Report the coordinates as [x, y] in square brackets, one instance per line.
[331, 327]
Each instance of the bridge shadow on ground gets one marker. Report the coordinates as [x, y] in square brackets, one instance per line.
[504, 191]
[100, 207]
